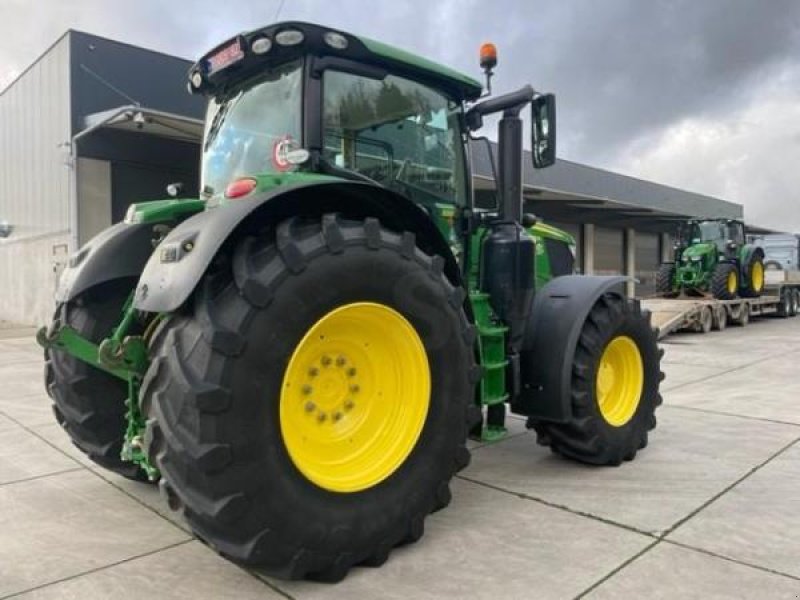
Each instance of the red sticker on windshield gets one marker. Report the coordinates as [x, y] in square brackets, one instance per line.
[280, 153]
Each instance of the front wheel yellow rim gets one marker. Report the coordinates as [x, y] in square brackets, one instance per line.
[757, 276]
[355, 397]
[620, 379]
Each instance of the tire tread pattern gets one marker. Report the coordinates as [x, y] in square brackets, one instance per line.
[182, 403]
[87, 402]
[586, 437]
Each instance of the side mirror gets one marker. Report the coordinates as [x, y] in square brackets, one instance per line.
[543, 130]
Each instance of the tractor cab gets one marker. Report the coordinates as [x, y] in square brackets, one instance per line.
[295, 99]
[296, 102]
[726, 235]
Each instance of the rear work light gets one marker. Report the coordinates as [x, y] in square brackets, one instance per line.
[289, 37]
[261, 45]
[240, 187]
[335, 40]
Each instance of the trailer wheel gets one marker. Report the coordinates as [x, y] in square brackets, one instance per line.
[785, 304]
[742, 317]
[665, 278]
[795, 295]
[725, 281]
[754, 286]
[705, 320]
[87, 402]
[615, 379]
[720, 318]
[310, 407]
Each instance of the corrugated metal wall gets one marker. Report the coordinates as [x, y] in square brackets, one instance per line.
[34, 120]
[34, 184]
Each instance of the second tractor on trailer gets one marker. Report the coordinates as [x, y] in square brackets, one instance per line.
[712, 257]
[299, 355]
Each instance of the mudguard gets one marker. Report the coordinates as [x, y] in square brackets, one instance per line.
[118, 251]
[554, 326]
[175, 269]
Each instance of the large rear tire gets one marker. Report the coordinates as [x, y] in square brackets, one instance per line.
[87, 402]
[615, 379]
[725, 281]
[665, 279]
[281, 438]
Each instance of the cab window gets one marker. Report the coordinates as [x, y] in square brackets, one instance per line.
[398, 132]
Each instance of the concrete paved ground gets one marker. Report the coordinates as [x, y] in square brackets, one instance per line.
[710, 509]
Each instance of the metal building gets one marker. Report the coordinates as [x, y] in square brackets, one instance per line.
[95, 124]
[88, 127]
[622, 225]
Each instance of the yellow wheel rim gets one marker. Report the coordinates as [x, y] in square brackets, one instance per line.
[757, 276]
[733, 282]
[620, 379]
[355, 397]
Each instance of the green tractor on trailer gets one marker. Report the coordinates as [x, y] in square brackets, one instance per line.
[299, 355]
[712, 256]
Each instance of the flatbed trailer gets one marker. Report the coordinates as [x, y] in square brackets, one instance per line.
[781, 298]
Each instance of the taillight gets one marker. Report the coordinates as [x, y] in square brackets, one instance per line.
[240, 187]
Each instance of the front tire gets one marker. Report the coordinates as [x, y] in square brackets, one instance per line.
[615, 379]
[87, 402]
[258, 394]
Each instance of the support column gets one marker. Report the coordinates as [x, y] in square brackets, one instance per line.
[630, 260]
[666, 247]
[588, 248]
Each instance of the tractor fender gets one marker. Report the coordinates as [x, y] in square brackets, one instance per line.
[182, 258]
[554, 326]
[118, 251]
[748, 252]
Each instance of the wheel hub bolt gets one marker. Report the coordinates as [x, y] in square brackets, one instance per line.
[349, 404]
[354, 388]
[340, 361]
[326, 360]
[307, 389]
[313, 372]
[310, 406]
[337, 416]
[321, 417]
[351, 372]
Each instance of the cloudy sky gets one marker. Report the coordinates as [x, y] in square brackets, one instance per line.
[703, 95]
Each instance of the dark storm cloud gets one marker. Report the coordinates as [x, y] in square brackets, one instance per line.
[622, 68]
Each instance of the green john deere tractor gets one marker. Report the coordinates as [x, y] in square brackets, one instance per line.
[714, 258]
[299, 355]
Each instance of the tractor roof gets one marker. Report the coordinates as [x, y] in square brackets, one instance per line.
[234, 60]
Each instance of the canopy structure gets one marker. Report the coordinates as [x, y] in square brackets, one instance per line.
[139, 119]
